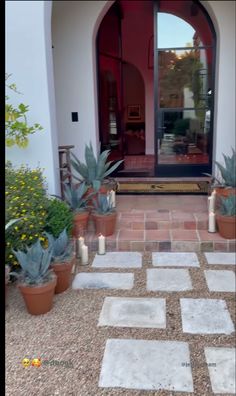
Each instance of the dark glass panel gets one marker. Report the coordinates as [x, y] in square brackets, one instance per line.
[109, 34]
[183, 137]
[191, 13]
[184, 77]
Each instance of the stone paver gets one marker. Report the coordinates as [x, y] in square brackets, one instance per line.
[118, 260]
[133, 312]
[168, 280]
[221, 281]
[108, 280]
[175, 259]
[222, 376]
[221, 258]
[205, 316]
[146, 365]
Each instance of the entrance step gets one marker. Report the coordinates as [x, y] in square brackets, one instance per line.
[167, 223]
[163, 231]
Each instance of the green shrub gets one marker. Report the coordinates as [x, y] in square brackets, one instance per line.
[26, 199]
[59, 216]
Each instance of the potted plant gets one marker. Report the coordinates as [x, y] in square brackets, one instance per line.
[226, 184]
[75, 196]
[62, 259]
[226, 218]
[94, 171]
[36, 281]
[104, 215]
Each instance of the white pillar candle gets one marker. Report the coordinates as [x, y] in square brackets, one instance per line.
[211, 222]
[84, 254]
[101, 244]
[113, 198]
[211, 202]
[81, 243]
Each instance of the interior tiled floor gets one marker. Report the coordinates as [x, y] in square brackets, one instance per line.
[148, 161]
[162, 223]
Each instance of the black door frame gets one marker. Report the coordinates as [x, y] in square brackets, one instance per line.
[181, 170]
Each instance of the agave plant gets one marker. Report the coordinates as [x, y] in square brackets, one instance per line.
[75, 196]
[95, 170]
[228, 172]
[103, 204]
[34, 264]
[228, 206]
[61, 246]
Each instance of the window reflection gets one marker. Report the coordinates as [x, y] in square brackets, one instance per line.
[185, 135]
[184, 78]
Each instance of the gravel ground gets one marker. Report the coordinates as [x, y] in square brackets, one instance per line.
[69, 334]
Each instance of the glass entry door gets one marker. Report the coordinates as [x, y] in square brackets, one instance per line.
[184, 89]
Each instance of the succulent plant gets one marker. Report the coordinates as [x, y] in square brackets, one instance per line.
[75, 196]
[228, 206]
[34, 264]
[228, 172]
[61, 246]
[95, 170]
[103, 204]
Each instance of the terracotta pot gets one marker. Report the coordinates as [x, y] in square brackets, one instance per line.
[226, 226]
[39, 299]
[63, 273]
[80, 223]
[90, 203]
[104, 224]
[224, 193]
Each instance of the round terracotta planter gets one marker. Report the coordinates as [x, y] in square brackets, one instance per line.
[63, 273]
[102, 190]
[104, 224]
[223, 192]
[226, 226]
[80, 223]
[39, 299]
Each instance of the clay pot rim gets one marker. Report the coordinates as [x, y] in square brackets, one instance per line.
[77, 212]
[104, 214]
[61, 266]
[53, 279]
[225, 217]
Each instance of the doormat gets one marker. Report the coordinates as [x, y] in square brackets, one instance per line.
[163, 188]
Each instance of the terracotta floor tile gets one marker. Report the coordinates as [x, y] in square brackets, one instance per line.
[131, 235]
[184, 216]
[157, 235]
[184, 235]
[158, 216]
[138, 225]
[210, 236]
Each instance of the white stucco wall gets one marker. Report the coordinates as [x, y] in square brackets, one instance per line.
[75, 78]
[222, 14]
[26, 59]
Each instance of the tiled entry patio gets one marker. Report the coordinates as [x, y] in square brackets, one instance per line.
[162, 223]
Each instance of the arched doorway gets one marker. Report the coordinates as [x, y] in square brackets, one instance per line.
[177, 58]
